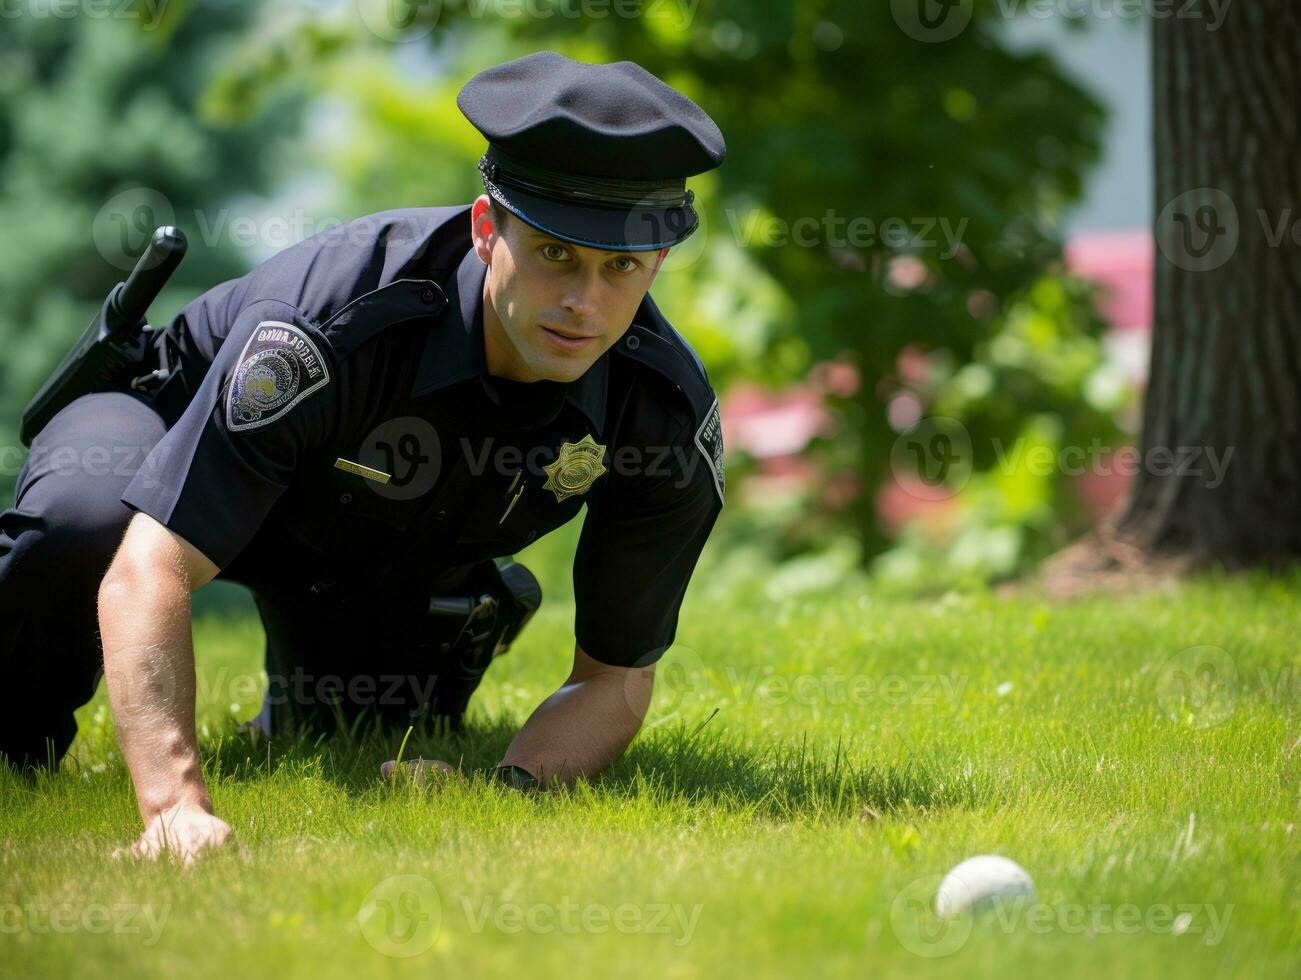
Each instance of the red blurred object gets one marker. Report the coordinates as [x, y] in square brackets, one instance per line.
[901, 502]
[773, 424]
[1121, 262]
[775, 427]
[1103, 491]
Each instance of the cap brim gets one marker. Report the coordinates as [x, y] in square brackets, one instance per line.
[611, 229]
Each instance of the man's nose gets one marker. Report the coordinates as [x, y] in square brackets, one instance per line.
[580, 296]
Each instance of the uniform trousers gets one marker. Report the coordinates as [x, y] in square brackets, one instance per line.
[332, 655]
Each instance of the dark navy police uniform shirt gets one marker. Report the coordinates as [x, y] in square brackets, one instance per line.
[344, 432]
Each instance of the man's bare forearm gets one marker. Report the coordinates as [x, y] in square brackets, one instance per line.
[583, 727]
[149, 672]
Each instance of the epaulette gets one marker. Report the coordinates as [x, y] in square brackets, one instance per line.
[652, 341]
[444, 241]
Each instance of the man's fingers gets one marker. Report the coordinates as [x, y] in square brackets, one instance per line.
[419, 770]
[186, 836]
[146, 847]
[142, 847]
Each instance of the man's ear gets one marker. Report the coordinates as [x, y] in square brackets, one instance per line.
[482, 229]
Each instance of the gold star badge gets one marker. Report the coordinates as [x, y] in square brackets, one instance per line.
[576, 469]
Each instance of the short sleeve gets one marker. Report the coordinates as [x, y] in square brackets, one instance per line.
[639, 546]
[267, 401]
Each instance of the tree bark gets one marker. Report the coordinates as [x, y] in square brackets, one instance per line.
[1226, 354]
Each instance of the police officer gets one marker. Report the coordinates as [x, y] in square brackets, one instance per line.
[369, 418]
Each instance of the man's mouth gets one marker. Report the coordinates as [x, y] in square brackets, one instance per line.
[568, 341]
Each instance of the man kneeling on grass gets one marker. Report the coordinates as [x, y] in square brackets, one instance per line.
[369, 419]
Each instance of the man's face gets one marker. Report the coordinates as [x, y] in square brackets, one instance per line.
[552, 308]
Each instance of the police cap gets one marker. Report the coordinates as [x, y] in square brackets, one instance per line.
[597, 155]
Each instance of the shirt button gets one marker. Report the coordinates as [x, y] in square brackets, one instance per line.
[442, 515]
[633, 343]
[428, 296]
[346, 498]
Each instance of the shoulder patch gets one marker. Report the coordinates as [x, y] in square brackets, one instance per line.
[709, 440]
[279, 367]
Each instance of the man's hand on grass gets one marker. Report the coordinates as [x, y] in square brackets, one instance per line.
[185, 830]
[420, 771]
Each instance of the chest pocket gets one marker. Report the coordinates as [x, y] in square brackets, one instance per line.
[353, 500]
[342, 524]
[386, 479]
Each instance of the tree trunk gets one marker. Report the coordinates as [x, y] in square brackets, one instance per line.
[1226, 342]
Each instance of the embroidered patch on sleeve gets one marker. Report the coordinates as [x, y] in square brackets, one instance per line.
[278, 368]
[709, 440]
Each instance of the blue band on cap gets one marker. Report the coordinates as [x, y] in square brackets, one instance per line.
[500, 198]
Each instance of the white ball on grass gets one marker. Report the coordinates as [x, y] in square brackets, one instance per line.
[979, 882]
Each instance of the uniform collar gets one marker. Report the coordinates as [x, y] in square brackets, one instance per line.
[454, 348]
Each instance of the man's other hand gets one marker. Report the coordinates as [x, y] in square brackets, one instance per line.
[420, 771]
[185, 830]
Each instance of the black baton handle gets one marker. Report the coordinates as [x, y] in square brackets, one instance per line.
[130, 302]
[108, 354]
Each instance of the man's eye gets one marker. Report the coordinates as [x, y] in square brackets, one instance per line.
[553, 253]
[625, 264]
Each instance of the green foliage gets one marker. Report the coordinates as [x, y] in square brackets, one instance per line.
[1037, 389]
[102, 139]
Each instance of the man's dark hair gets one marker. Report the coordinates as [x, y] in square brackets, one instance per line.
[499, 215]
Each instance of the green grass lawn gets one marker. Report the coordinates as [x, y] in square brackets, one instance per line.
[809, 768]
